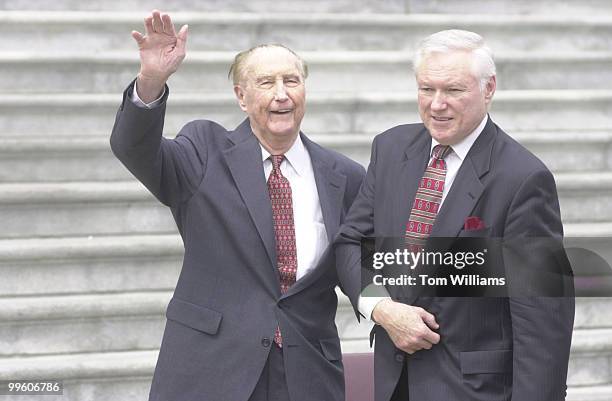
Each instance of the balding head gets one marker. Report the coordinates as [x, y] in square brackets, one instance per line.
[244, 59]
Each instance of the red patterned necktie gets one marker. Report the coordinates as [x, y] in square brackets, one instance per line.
[427, 200]
[284, 229]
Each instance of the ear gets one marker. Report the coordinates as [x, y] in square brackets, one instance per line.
[240, 95]
[489, 89]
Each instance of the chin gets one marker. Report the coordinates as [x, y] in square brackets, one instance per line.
[284, 131]
[441, 138]
[444, 138]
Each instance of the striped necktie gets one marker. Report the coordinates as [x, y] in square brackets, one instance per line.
[284, 230]
[427, 200]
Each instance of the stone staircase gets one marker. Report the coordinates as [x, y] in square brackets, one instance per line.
[89, 259]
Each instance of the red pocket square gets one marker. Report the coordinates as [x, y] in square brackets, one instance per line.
[473, 223]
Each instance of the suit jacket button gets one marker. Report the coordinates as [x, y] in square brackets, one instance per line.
[266, 342]
[399, 357]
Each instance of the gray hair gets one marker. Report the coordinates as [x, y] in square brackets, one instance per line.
[237, 69]
[459, 40]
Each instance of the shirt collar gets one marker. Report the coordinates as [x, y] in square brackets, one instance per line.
[462, 148]
[297, 156]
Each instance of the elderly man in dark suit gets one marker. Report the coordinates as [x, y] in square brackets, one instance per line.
[252, 316]
[436, 179]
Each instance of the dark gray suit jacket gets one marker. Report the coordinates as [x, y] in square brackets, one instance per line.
[490, 348]
[227, 303]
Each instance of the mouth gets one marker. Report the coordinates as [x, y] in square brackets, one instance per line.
[441, 119]
[281, 111]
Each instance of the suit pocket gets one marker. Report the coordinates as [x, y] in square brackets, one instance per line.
[494, 361]
[331, 348]
[195, 316]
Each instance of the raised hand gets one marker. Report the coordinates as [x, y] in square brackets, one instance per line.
[162, 51]
[409, 327]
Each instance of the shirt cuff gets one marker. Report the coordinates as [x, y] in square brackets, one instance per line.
[138, 102]
[369, 298]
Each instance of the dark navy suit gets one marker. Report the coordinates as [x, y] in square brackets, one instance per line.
[491, 349]
[227, 303]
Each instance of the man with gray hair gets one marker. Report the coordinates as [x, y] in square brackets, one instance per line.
[457, 174]
[252, 315]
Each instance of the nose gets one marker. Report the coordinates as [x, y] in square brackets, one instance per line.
[280, 94]
[439, 101]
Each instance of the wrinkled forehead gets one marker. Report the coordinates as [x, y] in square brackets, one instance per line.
[271, 61]
[459, 65]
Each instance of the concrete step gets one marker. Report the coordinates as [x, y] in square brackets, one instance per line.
[253, 6]
[591, 357]
[126, 376]
[48, 32]
[26, 158]
[328, 113]
[569, 151]
[62, 324]
[592, 314]
[521, 7]
[88, 158]
[73, 325]
[81, 208]
[120, 376]
[585, 196]
[105, 376]
[82, 323]
[111, 208]
[41, 159]
[103, 264]
[330, 71]
[89, 265]
[590, 393]
[589, 231]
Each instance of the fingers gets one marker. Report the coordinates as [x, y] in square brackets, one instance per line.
[430, 323]
[158, 25]
[168, 25]
[415, 333]
[148, 22]
[182, 38]
[138, 37]
[182, 35]
[411, 345]
[429, 319]
[162, 23]
[431, 336]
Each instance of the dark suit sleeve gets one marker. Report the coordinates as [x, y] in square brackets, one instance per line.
[170, 168]
[541, 326]
[359, 223]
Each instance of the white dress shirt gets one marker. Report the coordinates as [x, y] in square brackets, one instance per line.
[310, 234]
[453, 160]
[138, 101]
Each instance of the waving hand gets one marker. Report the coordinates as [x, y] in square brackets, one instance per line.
[162, 51]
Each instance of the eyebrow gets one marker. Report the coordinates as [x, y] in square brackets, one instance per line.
[273, 77]
[446, 84]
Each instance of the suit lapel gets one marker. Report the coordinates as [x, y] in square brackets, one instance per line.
[411, 171]
[467, 186]
[245, 164]
[415, 158]
[331, 186]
